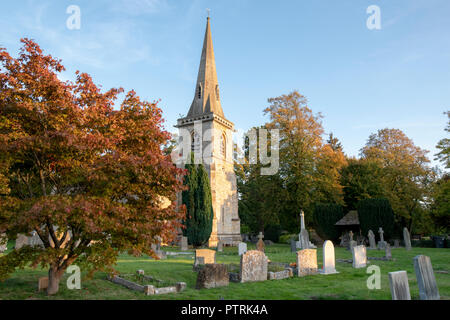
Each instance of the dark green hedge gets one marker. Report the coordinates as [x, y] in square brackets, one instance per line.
[272, 233]
[325, 216]
[376, 213]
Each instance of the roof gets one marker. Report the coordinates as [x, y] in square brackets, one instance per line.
[351, 218]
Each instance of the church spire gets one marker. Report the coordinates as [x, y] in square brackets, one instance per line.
[206, 98]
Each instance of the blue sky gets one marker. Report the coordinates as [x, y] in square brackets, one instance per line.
[361, 80]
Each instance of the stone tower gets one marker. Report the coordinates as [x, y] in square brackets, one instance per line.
[210, 135]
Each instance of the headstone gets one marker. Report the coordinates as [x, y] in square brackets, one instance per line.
[3, 243]
[388, 254]
[293, 245]
[372, 242]
[304, 239]
[398, 281]
[204, 256]
[359, 257]
[382, 243]
[242, 248]
[352, 244]
[329, 262]
[184, 244]
[253, 266]
[260, 246]
[42, 283]
[406, 239]
[22, 240]
[345, 240]
[286, 273]
[212, 276]
[428, 289]
[306, 262]
[220, 246]
[396, 243]
[35, 240]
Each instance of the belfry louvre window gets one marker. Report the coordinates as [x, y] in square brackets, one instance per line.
[199, 92]
[195, 142]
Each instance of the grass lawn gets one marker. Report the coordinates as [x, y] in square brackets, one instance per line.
[348, 284]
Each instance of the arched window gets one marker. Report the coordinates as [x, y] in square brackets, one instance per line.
[223, 146]
[195, 142]
[217, 92]
[199, 91]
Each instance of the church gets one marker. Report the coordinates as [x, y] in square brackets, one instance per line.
[210, 134]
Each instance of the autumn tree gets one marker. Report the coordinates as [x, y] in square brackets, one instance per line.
[309, 166]
[406, 175]
[88, 178]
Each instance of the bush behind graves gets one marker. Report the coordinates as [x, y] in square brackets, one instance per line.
[376, 213]
[325, 217]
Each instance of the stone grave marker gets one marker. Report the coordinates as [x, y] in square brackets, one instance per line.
[42, 283]
[213, 276]
[22, 240]
[306, 262]
[388, 253]
[381, 243]
[329, 262]
[242, 248]
[293, 245]
[396, 243]
[204, 256]
[352, 244]
[406, 239]
[260, 246]
[428, 289]
[253, 266]
[372, 242]
[398, 281]
[184, 244]
[220, 246]
[359, 256]
[304, 239]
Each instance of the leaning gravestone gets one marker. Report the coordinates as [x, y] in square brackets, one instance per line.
[204, 256]
[398, 281]
[372, 242]
[212, 276]
[22, 240]
[406, 239]
[428, 289]
[329, 262]
[359, 257]
[184, 244]
[306, 262]
[242, 248]
[253, 266]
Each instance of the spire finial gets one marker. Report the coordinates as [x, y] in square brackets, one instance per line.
[209, 11]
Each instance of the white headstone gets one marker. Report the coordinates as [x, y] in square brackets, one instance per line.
[398, 281]
[329, 262]
[359, 256]
[428, 289]
[242, 248]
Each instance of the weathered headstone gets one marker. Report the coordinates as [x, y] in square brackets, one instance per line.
[204, 256]
[260, 246]
[42, 283]
[388, 253]
[22, 240]
[372, 242]
[3, 243]
[286, 273]
[329, 262]
[212, 276]
[304, 239]
[35, 240]
[398, 281]
[253, 266]
[352, 244]
[428, 289]
[359, 257]
[306, 262]
[406, 239]
[293, 245]
[381, 243]
[220, 246]
[184, 244]
[396, 243]
[242, 248]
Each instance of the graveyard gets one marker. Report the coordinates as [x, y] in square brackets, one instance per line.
[348, 284]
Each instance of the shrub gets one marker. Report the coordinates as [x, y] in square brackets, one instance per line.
[272, 232]
[376, 213]
[325, 217]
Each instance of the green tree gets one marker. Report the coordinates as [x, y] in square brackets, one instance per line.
[198, 202]
[440, 206]
[325, 217]
[444, 146]
[375, 213]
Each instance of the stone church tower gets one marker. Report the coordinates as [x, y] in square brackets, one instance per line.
[210, 134]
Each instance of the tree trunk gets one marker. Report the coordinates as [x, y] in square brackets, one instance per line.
[54, 276]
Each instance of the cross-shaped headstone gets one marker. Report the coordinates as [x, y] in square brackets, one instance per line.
[260, 236]
[302, 220]
[380, 231]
